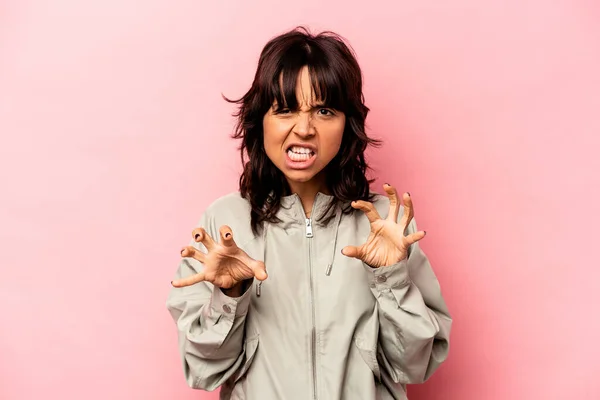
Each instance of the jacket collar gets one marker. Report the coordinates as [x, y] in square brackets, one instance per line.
[291, 209]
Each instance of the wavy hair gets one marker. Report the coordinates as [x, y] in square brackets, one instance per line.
[336, 79]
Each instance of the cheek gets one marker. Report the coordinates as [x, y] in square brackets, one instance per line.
[333, 140]
[268, 133]
[274, 134]
[274, 131]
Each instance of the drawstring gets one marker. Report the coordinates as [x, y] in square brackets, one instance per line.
[336, 224]
[264, 240]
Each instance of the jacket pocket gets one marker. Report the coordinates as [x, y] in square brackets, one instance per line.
[368, 352]
[250, 346]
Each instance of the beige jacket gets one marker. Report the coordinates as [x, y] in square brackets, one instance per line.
[322, 326]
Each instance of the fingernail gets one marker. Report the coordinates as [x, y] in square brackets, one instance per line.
[171, 283]
[424, 232]
[227, 235]
[408, 193]
[197, 236]
[386, 184]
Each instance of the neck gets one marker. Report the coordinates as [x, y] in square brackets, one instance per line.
[307, 191]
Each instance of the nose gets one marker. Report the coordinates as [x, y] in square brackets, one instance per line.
[304, 126]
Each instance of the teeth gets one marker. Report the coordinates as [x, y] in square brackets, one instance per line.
[300, 150]
[299, 153]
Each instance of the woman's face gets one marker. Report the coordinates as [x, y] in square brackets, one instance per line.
[302, 142]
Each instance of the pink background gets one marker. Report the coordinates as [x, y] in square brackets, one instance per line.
[115, 138]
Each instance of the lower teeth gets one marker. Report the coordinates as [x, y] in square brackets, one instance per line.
[299, 156]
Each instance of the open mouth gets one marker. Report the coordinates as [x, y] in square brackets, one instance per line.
[299, 154]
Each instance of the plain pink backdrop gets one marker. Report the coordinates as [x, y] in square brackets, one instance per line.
[114, 138]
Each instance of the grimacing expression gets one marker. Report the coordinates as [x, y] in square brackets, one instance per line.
[302, 142]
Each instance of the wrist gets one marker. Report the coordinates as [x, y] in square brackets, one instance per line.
[386, 264]
[238, 289]
[392, 276]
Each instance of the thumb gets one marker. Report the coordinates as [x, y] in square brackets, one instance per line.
[351, 251]
[260, 271]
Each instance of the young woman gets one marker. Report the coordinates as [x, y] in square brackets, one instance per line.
[304, 285]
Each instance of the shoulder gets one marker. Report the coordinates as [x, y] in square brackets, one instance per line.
[231, 203]
[232, 210]
[381, 203]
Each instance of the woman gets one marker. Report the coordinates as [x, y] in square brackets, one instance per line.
[304, 285]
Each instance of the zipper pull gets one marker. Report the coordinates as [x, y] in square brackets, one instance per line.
[309, 232]
[258, 289]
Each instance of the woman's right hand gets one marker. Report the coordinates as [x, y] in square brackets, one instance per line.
[225, 264]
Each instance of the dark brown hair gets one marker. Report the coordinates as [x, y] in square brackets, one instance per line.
[337, 81]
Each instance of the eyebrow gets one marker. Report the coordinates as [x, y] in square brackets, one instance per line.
[312, 107]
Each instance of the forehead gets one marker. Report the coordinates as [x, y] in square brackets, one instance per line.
[306, 89]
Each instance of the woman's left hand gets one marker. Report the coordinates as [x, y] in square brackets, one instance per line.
[386, 244]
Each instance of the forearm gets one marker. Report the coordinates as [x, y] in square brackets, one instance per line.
[414, 321]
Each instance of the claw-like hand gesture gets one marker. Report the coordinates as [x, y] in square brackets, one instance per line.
[386, 244]
[225, 264]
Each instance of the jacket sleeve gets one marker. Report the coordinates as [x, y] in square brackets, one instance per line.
[210, 324]
[414, 322]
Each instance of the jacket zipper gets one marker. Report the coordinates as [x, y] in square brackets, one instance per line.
[313, 348]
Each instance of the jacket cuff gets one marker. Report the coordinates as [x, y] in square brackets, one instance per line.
[393, 276]
[230, 306]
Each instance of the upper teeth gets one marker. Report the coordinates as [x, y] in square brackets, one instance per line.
[300, 150]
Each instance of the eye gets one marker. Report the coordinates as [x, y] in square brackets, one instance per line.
[283, 111]
[325, 112]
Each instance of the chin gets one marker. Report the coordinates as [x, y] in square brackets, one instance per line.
[299, 176]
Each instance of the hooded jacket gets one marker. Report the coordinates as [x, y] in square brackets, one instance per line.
[322, 326]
